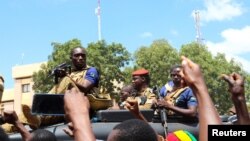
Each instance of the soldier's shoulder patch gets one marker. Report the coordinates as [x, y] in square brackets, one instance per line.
[193, 98]
[92, 74]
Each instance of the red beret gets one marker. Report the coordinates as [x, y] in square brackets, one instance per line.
[140, 72]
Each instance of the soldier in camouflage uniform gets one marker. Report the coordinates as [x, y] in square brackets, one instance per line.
[86, 78]
[178, 98]
[83, 77]
[144, 94]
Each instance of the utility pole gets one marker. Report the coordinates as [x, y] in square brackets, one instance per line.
[197, 27]
[98, 13]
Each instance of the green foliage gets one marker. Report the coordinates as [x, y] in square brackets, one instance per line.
[212, 68]
[127, 74]
[42, 82]
[158, 59]
[109, 60]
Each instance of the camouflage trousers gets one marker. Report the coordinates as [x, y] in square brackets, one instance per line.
[62, 86]
[33, 121]
[36, 121]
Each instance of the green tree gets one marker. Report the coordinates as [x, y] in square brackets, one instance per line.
[127, 71]
[158, 59]
[109, 60]
[213, 67]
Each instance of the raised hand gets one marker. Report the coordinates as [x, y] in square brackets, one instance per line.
[235, 82]
[10, 117]
[191, 72]
[236, 88]
[132, 105]
[164, 104]
[194, 78]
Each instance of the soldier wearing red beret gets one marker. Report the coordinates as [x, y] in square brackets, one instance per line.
[144, 95]
[140, 72]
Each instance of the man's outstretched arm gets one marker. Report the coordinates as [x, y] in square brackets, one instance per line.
[76, 107]
[12, 118]
[236, 88]
[207, 112]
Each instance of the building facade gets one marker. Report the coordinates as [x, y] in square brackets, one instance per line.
[22, 93]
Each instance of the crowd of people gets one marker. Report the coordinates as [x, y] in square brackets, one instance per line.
[186, 94]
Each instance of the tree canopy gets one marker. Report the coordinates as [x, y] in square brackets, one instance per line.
[158, 59]
[213, 67]
[109, 60]
[114, 64]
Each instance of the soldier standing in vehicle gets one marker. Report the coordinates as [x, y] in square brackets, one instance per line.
[178, 98]
[83, 77]
[144, 94]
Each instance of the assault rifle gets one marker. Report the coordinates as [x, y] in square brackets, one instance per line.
[60, 71]
[163, 111]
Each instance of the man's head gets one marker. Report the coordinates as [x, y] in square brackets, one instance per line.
[78, 57]
[132, 130]
[42, 135]
[125, 92]
[175, 74]
[140, 77]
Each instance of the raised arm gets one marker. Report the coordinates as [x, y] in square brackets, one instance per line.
[132, 106]
[11, 118]
[236, 88]
[76, 107]
[207, 112]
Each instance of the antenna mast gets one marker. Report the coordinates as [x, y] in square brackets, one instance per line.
[22, 58]
[197, 27]
[98, 13]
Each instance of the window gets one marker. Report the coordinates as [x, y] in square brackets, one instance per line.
[25, 88]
